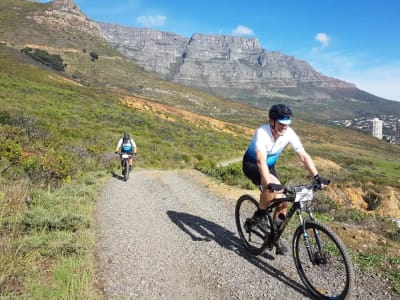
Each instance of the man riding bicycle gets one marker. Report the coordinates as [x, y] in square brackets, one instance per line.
[260, 158]
[127, 145]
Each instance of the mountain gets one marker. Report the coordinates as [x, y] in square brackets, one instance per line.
[192, 74]
[215, 61]
[237, 68]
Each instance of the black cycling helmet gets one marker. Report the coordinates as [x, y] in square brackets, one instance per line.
[281, 113]
[126, 136]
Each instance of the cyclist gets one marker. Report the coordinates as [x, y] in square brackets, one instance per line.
[127, 145]
[260, 158]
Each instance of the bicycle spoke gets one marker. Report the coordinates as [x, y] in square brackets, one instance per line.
[325, 268]
[252, 237]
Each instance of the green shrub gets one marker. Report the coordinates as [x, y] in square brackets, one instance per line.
[231, 174]
[324, 204]
[53, 61]
[40, 219]
[10, 150]
[352, 214]
[389, 229]
[372, 199]
[205, 166]
[94, 56]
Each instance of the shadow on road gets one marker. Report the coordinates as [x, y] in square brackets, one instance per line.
[118, 176]
[200, 229]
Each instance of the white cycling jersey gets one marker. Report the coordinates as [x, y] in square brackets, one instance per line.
[264, 141]
[126, 147]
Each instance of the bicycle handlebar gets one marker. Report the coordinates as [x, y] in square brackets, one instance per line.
[119, 153]
[288, 190]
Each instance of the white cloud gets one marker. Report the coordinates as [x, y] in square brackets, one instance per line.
[151, 21]
[242, 30]
[322, 38]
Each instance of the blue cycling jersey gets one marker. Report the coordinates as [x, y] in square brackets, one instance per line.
[264, 141]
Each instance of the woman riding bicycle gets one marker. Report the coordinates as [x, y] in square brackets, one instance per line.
[127, 145]
[260, 158]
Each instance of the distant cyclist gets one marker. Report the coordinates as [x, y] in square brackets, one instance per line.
[260, 158]
[127, 145]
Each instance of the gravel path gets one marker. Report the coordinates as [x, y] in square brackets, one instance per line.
[164, 235]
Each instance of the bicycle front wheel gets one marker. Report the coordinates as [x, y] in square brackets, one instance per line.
[252, 237]
[126, 167]
[322, 261]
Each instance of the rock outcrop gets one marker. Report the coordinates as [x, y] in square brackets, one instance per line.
[67, 15]
[217, 61]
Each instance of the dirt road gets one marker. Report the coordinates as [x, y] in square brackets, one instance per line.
[170, 235]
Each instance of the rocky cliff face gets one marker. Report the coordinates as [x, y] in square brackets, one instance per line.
[67, 15]
[218, 62]
[156, 51]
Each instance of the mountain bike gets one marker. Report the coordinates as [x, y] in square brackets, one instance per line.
[124, 158]
[320, 257]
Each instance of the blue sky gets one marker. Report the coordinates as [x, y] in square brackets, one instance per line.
[357, 41]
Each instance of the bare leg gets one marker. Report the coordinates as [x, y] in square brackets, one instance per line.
[266, 197]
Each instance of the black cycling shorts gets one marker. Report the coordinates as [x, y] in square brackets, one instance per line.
[250, 169]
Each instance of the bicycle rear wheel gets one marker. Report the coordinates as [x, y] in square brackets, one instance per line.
[326, 269]
[252, 237]
[126, 168]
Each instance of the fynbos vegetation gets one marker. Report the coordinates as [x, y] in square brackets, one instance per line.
[53, 61]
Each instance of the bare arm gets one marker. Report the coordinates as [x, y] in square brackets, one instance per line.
[134, 146]
[118, 146]
[307, 161]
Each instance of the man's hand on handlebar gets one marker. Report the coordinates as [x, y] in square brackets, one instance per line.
[321, 181]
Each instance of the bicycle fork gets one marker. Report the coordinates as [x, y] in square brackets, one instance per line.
[310, 252]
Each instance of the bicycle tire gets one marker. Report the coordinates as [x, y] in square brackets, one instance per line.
[329, 274]
[253, 239]
[126, 168]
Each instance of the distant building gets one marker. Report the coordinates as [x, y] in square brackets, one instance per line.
[376, 128]
[347, 123]
[397, 132]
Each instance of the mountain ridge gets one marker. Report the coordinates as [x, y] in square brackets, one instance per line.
[212, 61]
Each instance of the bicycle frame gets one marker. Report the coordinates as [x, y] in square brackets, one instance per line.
[294, 208]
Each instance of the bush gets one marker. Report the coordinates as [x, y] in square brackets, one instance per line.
[53, 61]
[10, 150]
[231, 174]
[372, 199]
[42, 219]
[389, 229]
[94, 56]
[324, 204]
[352, 214]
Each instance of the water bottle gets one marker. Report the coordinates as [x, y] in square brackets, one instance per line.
[279, 220]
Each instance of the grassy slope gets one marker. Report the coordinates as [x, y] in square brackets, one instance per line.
[61, 133]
